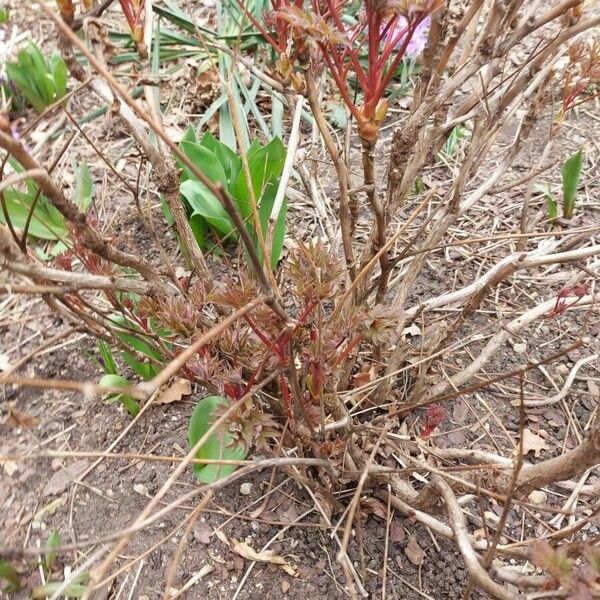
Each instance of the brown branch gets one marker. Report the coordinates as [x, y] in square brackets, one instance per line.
[346, 224]
[566, 466]
[90, 237]
[73, 281]
[459, 527]
[92, 14]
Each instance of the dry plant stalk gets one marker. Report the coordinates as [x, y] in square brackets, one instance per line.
[239, 339]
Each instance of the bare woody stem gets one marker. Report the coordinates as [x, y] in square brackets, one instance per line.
[380, 222]
[341, 171]
[566, 466]
[90, 237]
[216, 190]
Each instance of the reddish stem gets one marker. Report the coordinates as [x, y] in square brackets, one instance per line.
[261, 29]
[342, 355]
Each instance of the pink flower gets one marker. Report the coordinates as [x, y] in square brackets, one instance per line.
[417, 43]
[419, 39]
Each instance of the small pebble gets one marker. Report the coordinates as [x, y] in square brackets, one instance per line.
[141, 489]
[538, 497]
[246, 489]
[520, 348]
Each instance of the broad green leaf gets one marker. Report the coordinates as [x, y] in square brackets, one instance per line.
[10, 574]
[215, 447]
[264, 163]
[204, 203]
[255, 146]
[199, 227]
[552, 209]
[571, 173]
[31, 184]
[205, 161]
[189, 135]
[60, 74]
[52, 542]
[551, 205]
[46, 222]
[23, 84]
[229, 160]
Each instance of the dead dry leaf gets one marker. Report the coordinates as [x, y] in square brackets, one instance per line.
[202, 532]
[374, 507]
[367, 374]
[20, 419]
[62, 479]
[533, 442]
[247, 552]
[397, 533]
[175, 392]
[414, 552]
[413, 330]
[460, 411]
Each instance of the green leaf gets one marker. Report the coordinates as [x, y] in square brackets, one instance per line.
[10, 574]
[52, 542]
[204, 203]
[143, 369]
[60, 74]
[25, 87]
[199, 227]
[264, 163]
[118, 381]
[83, 186]
[265, 209]
[571, 173]
[46, 222]
[189, 135]
[277, 110]
[73, 590]
[205, 161]
[166, 211]
[39, 81]
[215, 447]
[133, 341]
[551, 205]
[229, 160]
[114, 380]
